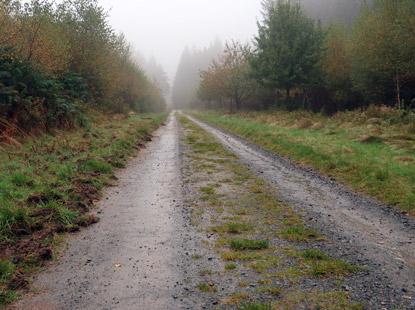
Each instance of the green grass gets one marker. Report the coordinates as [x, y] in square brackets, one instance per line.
[298, 233]
[196, 256]
[207, 190]
[205, 287]
[49, 184]
[246, 244]
[233, 228]
[317, 300]
[340, 146]
[255, 306]
[270, 290]
[320, 265]
[230, 266]
[205, 272]
[96, 166]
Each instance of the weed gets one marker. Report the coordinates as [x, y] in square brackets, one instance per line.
[266, 262]
[205, 272]
[196, 256]
[255, 306]
[230, 266]
[320, 265]
[236, 298]
[242, 211]
[246, 244]
[298, 233]
[314, 254]
[270, 290]
[205, 287]
[237, 228]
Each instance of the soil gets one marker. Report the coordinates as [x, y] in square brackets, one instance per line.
[147, 253]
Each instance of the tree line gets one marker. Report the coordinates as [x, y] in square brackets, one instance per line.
[186, 81]
[296, 63]
[57, 61]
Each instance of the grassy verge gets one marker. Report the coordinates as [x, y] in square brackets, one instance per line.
[267, 251]
[372, 151]
[48, 185]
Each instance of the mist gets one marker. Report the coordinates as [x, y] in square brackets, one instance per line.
[161, 30]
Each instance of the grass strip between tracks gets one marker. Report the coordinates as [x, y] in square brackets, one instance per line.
[266, 248]
[48, 185]
[366, 153]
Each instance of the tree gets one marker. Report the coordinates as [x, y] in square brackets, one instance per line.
[187, 78]
[287, 47]
[157, 75]
[336, 70]
[228, 77]
[381, 50]
[8, 22]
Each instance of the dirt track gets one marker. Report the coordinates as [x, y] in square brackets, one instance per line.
[133, 258]
[376, 234]
[140, 254]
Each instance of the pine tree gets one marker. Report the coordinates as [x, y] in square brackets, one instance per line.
[288, 47]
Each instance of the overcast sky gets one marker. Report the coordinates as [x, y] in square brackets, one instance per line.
[162, 28]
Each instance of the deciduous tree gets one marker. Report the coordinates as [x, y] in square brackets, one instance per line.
[382, 48]
[228, 76]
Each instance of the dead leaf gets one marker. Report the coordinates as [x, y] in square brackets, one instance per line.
[117, 265]
[211, 284]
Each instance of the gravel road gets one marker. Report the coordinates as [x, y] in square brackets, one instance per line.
[134, 258]
[363, 229]
[139, 255]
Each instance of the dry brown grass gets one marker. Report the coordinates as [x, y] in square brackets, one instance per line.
[304, 123]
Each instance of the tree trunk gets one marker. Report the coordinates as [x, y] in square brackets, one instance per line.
[398, 89]
[287, 98]
[237, 104]
[304, 96]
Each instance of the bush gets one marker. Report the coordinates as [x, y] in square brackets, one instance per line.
[31, 99]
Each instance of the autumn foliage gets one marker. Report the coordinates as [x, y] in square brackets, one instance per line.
[227, 77]
[297, 64]
[56, 61]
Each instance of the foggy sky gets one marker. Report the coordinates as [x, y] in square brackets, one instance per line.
[162, 28]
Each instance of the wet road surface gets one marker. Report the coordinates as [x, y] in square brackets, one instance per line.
[137, 256]
[380, 235]
[133, 258]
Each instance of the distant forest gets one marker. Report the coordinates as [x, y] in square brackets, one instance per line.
[338, 11]
[324, 56]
